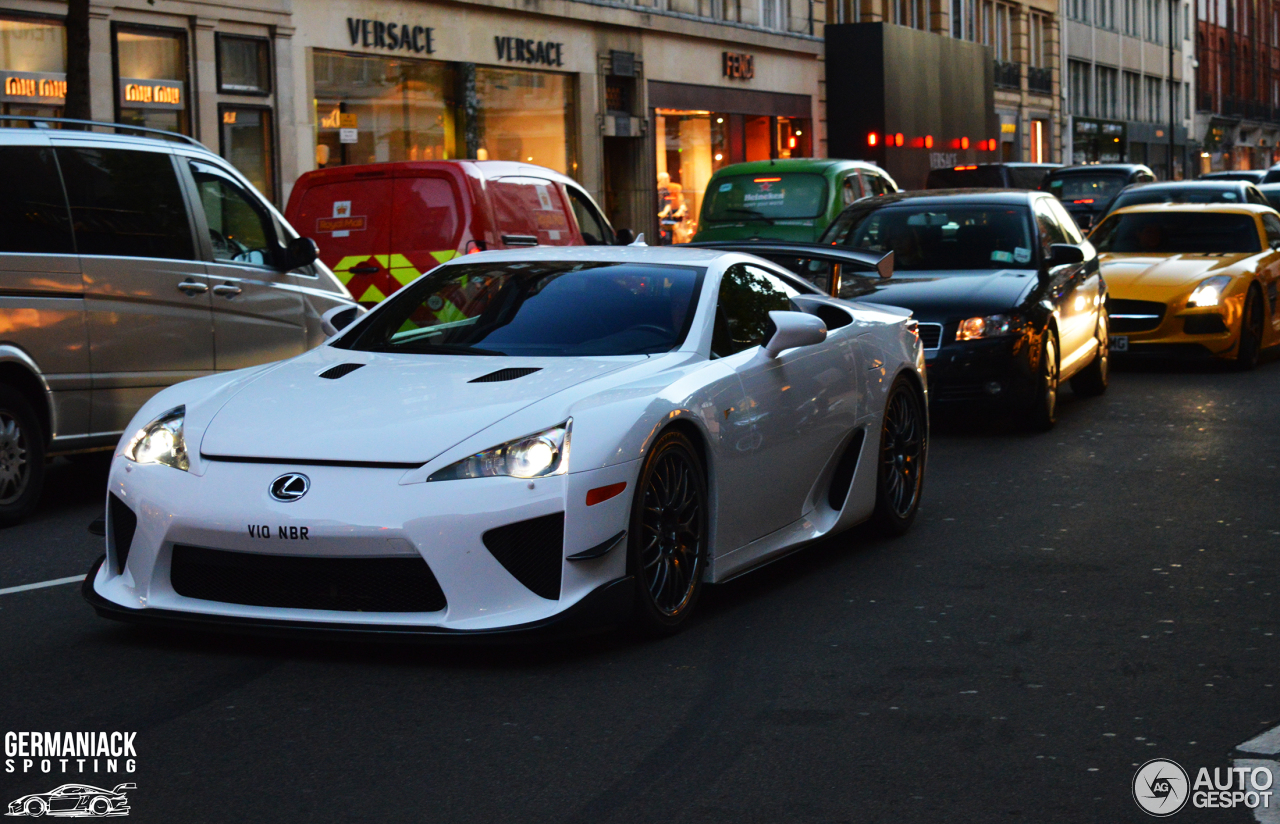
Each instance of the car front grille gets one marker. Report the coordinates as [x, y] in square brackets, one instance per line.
[532, 551]
[1134, 315]
[931, 335]
[399, 584]
[1204, 325]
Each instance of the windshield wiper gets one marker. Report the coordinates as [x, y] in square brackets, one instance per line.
[751, 212]
[437, 349]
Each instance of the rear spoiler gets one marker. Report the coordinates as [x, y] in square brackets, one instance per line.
[882, 265]
[122, 787]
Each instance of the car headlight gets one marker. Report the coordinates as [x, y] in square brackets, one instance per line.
[991, 326]
[1209, 292]
[161, 441]
[533, 456]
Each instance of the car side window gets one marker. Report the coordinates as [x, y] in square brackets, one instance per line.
[33, 216]
[1272, 224]
[1252, 195]
[1066, 221]
[240, 229]
[1047, 226]
[849, 190]
[126, 203]
[875, 183]
[590, 224]
[747, 295]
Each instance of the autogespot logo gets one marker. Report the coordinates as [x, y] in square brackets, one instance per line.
[1160, 787]
[289, 487]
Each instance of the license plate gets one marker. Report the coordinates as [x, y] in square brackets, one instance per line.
[1119, 344]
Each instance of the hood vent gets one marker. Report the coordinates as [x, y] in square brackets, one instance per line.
[509, 374]
[335, 372]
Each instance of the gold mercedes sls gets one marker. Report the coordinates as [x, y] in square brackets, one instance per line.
[1192, 279]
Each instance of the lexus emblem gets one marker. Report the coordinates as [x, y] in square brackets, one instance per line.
[289, 487]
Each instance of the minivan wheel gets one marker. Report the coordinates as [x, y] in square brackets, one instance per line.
[21, 457]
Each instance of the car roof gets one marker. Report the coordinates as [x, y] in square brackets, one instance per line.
[1179, 185]
[488, 169]
[672, 255]
[923, 197]
[177, 141]
[1216, 208]
[1099, 168]
[795, 164]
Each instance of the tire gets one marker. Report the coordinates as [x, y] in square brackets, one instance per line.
[99, 806]
[21, 457]
[1249, 347]
[1092, 381]
[667, 546]
[36, 808]
[904, 446]
[1043, 412]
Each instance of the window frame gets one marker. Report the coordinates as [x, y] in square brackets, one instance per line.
[270, 68]
[574, 194]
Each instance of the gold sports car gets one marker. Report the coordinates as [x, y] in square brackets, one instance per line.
[1192, 279]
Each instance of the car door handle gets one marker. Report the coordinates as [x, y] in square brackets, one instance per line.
[227, 290]
[364, 270]
[191, 288]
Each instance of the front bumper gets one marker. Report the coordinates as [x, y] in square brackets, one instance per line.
[365, 514]
[1208, 331]
[993, 372]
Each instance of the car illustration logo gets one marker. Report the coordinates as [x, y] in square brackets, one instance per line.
[289, 487]
[74, 800]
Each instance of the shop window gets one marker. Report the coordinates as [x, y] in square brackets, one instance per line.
[244, 65]
[34, 51]
[247, 142]
[756, 131]
[691, 147]
[126, 203]
[793, 137]
[151, 72]
[398, 109]
[526, 116]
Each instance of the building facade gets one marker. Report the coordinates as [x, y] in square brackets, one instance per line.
[1238, 84]
[1129, 66]
[623, 97]
[1023, 38]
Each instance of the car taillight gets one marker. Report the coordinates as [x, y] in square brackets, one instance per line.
[474, 246]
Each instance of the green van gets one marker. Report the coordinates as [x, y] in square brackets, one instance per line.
[791, 200]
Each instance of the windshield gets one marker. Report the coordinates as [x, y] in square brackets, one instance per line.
[537, 309]
[1086, 189]
[1177, 232]
[940, 238]
[1196, 195]
[765, 197]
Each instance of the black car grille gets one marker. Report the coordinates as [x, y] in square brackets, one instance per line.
[930, 335]
[291, 582]
[1134, 315]
[1204, 325]
[123, 524]
[532, 551]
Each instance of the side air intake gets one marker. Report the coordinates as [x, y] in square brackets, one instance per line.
[335, 372]
[842, 478]
[509, 374]
[532, 551]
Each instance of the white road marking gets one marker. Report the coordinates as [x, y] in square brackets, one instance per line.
[1266, 744]
[74, 579]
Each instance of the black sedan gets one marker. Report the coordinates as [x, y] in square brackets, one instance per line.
[1085, 190]
[1006, 290]
[1186, 191]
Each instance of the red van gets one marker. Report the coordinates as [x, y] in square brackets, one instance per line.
[381, 225]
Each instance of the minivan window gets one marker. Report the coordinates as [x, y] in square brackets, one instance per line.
[765, 197]
[541, 309]
[126, 203]
[239, 228]
[593, 230]
[33, 214]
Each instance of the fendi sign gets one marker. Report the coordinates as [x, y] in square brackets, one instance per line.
[738, 66]
[375, 34]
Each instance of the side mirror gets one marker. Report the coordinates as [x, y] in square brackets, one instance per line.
[794, 329]
[884, 266]
[623, 237]
[301, 251]
[338, 318]
[1064, 254]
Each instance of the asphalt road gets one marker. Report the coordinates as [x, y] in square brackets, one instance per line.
[1068, 607]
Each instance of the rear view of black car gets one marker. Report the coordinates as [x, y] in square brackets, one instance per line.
[1186, 191]
[1005, 288]
[991, 176]
[1085, 191]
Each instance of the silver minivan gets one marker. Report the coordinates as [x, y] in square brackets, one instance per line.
[128, 264]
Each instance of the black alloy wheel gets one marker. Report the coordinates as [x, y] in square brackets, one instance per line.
[904, 445]
[21, 457]
[1044, 403]
[1249, 348]
[1092, 380]
[668, 537]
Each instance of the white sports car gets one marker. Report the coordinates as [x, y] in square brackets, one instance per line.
[519, 439]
